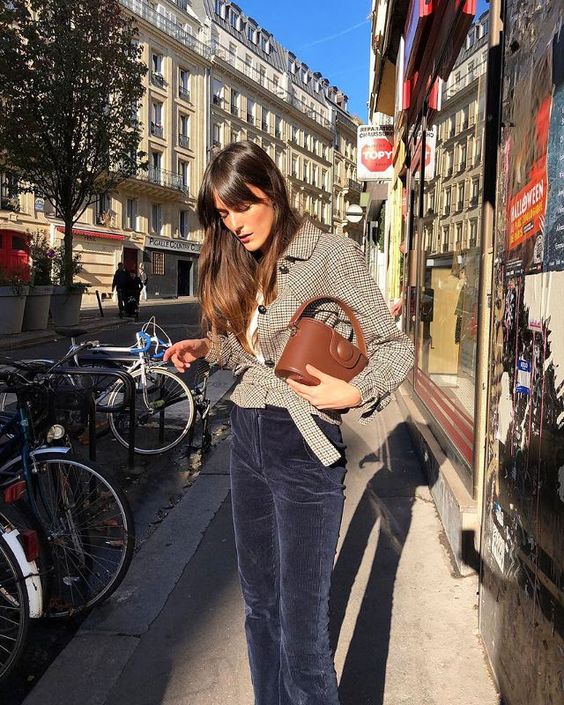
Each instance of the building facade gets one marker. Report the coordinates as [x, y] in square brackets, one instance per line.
[214, 77]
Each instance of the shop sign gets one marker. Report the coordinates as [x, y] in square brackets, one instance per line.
[375, 151]
[170, 245]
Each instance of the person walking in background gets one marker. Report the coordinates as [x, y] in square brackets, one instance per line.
[144, 280]
[258, 263]
[119, 285]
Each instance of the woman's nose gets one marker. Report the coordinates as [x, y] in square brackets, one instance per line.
[235, 222]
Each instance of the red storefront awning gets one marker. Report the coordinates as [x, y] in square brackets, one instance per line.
[94, 233]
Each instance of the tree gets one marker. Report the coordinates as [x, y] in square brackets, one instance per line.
[70, 87]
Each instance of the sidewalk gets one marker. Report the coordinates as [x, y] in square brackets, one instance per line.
[404, 622]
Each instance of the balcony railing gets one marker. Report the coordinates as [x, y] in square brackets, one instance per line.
[264, 126]
[250, 118]
[473, 202]
[217, 99]
[235, 110]
[184, 141]
[446, 210]
[184, 93]
[156, 129]
[278, 134]
[161, 177]
[157, 79]
[354, 186]
[166, 25]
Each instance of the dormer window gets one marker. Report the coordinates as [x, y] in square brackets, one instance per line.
[220, 8]
[234, 19]
[305, 74]
[251, 33]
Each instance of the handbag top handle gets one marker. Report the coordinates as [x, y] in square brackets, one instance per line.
[353, 319]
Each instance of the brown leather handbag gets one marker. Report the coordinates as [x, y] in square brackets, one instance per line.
[315, 343]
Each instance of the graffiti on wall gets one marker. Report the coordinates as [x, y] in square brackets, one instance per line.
[522, 603]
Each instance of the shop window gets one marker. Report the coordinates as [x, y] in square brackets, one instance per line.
[158, 263]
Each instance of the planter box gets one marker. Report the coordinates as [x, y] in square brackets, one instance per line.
[65, 306]
[12, 306]
[37, 305]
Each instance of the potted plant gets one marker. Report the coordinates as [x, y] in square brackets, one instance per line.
[66, 300]
[13, 293]
[38, 299]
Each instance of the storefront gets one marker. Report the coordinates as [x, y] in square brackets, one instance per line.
[14, 254]
[442, 121]
[172, 267]
[99, 251]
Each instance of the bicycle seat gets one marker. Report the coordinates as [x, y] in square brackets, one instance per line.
[70, 332]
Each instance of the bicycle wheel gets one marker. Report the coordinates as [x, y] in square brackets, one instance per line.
[89, 531]
[14, 610]
[164, 411]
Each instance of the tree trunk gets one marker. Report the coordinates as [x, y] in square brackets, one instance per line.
[67, 269]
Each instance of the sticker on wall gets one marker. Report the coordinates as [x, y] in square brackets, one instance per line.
[523, 385]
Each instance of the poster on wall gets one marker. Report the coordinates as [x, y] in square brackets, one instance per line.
[526, 151]
[375, 148]
[554, 220]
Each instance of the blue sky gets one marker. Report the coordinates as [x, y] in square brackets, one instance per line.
[331, 36]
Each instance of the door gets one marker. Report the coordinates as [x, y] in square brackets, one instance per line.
[184, 277]
[130, 259]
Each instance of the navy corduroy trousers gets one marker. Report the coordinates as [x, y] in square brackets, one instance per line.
[287, 510]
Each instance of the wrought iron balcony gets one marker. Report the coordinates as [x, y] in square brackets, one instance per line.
[184, 93]
[264, 126]
[184, 141]
[250, 118]
[156, 129]
[161, 177]
[157, 79]
[217, 99]
[355, 185]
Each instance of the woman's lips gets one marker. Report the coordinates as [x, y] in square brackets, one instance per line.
[245, 238]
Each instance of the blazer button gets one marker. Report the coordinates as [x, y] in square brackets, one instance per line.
[283, 269]
[262, 309]
[269, 363]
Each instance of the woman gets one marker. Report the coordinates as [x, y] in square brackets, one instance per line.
[259, 262]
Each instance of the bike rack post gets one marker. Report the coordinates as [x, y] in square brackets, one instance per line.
[129, 386]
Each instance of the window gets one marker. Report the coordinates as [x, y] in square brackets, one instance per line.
[265, 119]
[155, 167]
[324, 179]
[251, 33]
[279, 159]
[278, 127]
[251, 111]
[184, 84]
[156, 218]
[447, 202]
[184, 174]
[216, 135]
[130, 220]
[473, 238]
[460, 204]
[262, 75]
[157, 63]
[103, 209]
[306, 170]
[234, 19]
[183, 224]
[314, 176]
[462, 152]
[458, 231]
[265, 43]
[217, 93]
[184, 131]
[232, 52]
[431, 202]
[248, 65]
[234, 102]
[295, 166]
[295, 133]
[157, 119]
[158, 263]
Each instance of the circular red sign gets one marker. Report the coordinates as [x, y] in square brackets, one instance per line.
[376, 155]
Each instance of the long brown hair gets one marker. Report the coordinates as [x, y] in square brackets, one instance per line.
[230, 276]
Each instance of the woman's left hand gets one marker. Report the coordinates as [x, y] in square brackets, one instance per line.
[330, 393]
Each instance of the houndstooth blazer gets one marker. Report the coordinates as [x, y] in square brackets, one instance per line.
[317, 264]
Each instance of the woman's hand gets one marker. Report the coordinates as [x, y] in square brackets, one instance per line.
[184, 352]
[330, 393]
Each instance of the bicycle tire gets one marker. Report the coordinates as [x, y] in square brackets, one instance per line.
[14, 611]
[157, 429]
[89, 531]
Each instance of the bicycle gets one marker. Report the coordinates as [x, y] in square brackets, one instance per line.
[83, 520]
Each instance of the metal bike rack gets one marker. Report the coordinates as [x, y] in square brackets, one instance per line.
[129, 386]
